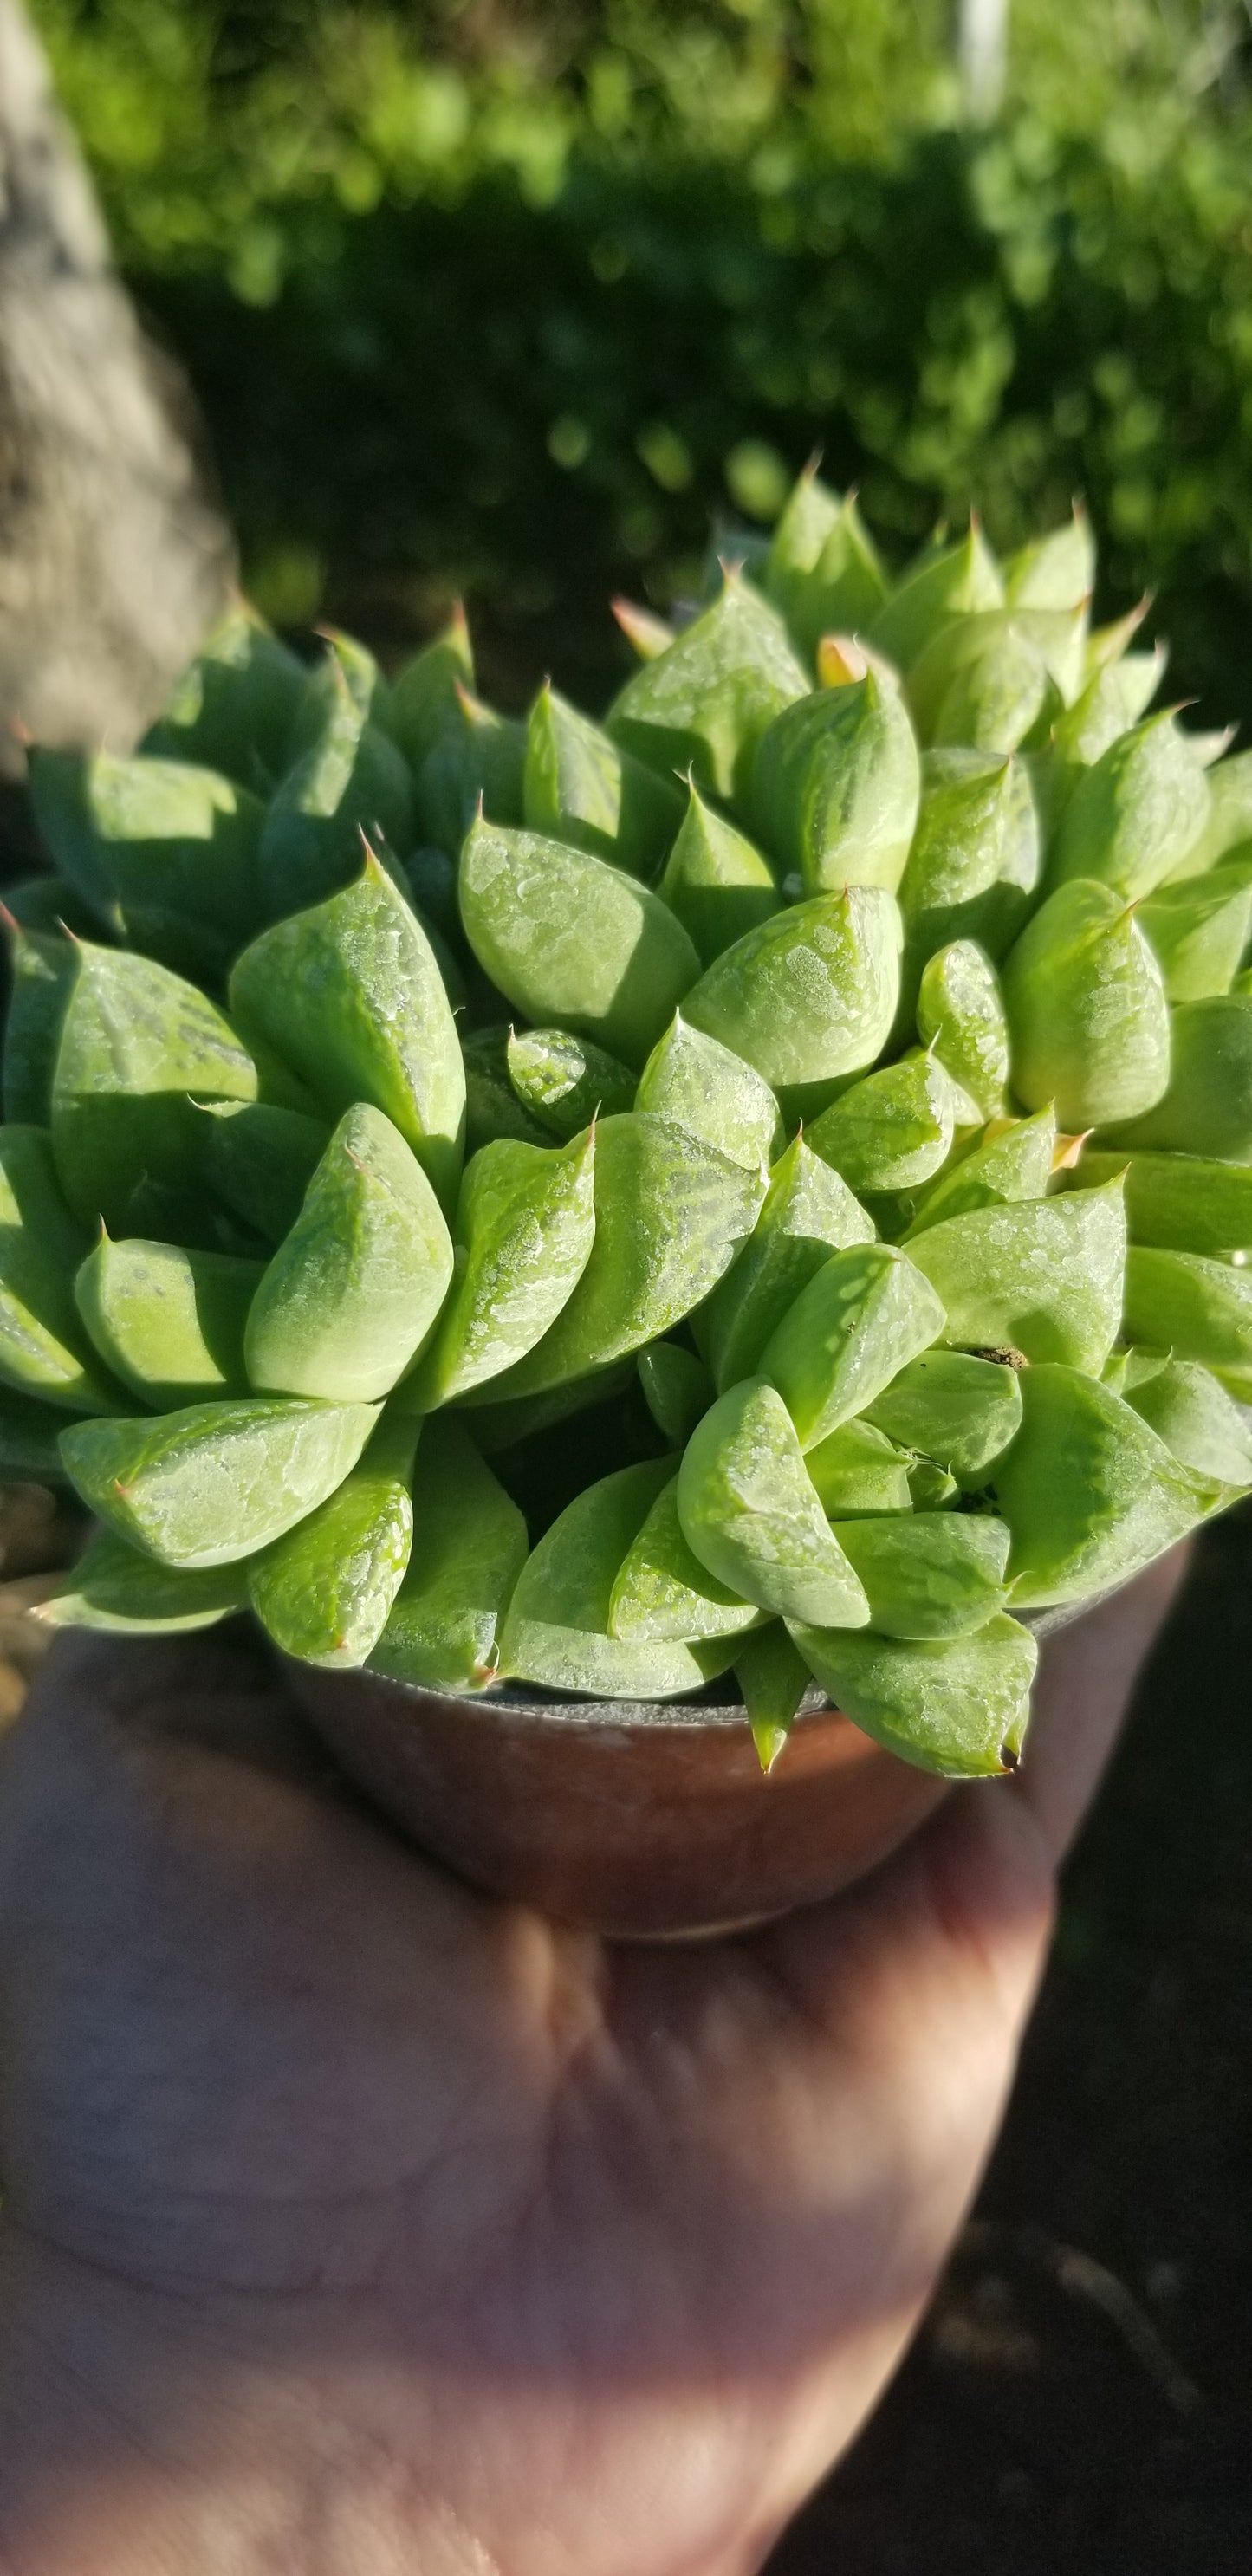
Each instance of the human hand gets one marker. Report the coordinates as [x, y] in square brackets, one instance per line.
[357, 2222]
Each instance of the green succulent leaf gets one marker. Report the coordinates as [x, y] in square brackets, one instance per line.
[703, 704]
[556, 1631]
[856, 1470]
[863, 1316]
[452, 974]
[469, 1547]
[178, 847]
[48, 904]
[424, 702]
[430, 881]
[706, 1088]
[955, 581]
[563, 1082]
[356, 1285]
[716, 883]
[809, 514]
[773, 1678]
[44, 1352]
[1006, 679]
[57, 784]
[1044, 1277]
[493, 1105]
[1107, 644]
[1087, 1012]
[836, 787]
[936, 1574]
[890, 1131]
[958, 1706]
[647, 634]
[581, 788]
[1198, 1422]
[1180, 1202]
[822, 570]
[808, 1213]
[349, 994]
[1011, 1161]
[277, 1087]
[347, 671]
[677, 1389]
[975, 857]
[954, 1408]
[567, 937]
[1109, 705]
[348, 780]
[1188, 1304]
[1089, 1492]
[960, 1014]
[30, 1439]
[931, 1487]
[120, 1590]
[749, 1512]
[477, 763]
[525, 1225]
[325, 1591]
[1198, 933]
[167, 1322]
[236, 706]
[808, 996]
[1228, 822]
[43, 972]
[260, 1160]
[1207, 1109]
[663, 1590]
[1056, 571]
[1136, 813]
[139, 1047]
[671, 1213]
[214, 1482]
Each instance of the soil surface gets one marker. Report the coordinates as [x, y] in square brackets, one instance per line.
[1080, 2400]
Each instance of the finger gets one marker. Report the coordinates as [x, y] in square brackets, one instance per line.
[1087, 1677]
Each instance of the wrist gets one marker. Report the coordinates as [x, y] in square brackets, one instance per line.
[147, 2434]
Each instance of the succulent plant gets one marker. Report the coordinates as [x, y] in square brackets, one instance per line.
[751, 1195]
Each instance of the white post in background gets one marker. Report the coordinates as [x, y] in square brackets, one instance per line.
[113, 561]
[983, 54]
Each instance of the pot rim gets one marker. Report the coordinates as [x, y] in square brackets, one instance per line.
[694, 1716]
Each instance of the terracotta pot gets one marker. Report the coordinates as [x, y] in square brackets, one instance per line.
[641, 1821]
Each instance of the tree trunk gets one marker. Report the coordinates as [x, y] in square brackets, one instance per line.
[112, 559]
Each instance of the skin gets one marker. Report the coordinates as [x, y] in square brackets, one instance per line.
[355, 2222]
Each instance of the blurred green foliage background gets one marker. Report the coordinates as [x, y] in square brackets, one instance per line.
[510, 296]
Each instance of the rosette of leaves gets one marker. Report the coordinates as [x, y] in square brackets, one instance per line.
[751, 1191]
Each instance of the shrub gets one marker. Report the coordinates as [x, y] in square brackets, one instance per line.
[508, 299]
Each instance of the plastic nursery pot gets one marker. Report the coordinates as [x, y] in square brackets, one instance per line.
[643, 1820]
